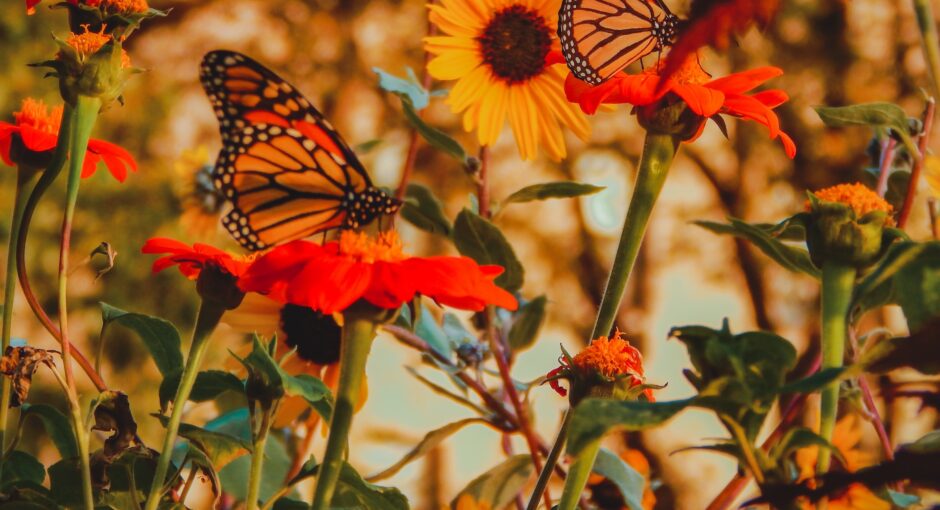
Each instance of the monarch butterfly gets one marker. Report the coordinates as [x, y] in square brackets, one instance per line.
[601, 37]
[287, 173]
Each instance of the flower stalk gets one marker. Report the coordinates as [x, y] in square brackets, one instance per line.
[257, 457]
[208, 318]
[578, 476]
[23, 178]
[838, 280]
[553, 455]
[928, 32]
[358, 333]
[86, 113]
[658, 152]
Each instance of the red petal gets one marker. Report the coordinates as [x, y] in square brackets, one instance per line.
[752, 109]
[90, 164]
[36, 140]
[392, 284]
[115, 157]
[330, 284]
[554, 57]
[164, 245]
[6, 138]
[739, 83]
[771, 98]
[703, 101]
[587, 97]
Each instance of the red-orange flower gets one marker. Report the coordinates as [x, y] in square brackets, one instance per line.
[604, 360]
[690, 83]
[192, 260]
[331, 277]
[37, 128]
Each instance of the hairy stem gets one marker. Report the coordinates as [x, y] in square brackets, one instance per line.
[546, 474]
[206, 321]
[257, 459]
[658, 152]
[358, 334]
[86, 113]
[837, 283]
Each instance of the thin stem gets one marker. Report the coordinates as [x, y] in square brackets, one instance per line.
[546, 474]
[23, 177]
[86, 113]
[414, 138]
[59, 158]
[206, 321]
[884, 170]
[928, 32]
[918, 165]
[483, 185]
[358, 334]
[578, 476]
[750, 457]
[257, 459]
[509, 386]
[837, 284]
[190, 479]
[658, 152]
[933, 211]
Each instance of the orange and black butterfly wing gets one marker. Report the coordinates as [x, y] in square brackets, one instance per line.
[599, 38]
[284, 185]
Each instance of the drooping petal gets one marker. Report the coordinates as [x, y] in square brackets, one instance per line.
[771, 98]
[704, 101]
[749, 108]
[588, 98]
[739, 83]
[117, 159]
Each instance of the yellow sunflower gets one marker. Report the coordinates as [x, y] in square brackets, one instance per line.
[316, 338]
[503, 54]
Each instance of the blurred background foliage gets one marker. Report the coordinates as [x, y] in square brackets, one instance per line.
[833, 52]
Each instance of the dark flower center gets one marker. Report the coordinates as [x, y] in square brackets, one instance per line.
[315, 336]
[515, 43]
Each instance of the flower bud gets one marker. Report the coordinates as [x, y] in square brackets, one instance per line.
[91, 64]
[846, 225]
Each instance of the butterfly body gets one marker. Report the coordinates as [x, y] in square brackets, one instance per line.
[599, 38]
[286, 171]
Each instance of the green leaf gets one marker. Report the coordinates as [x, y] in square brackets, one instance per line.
[526, 324]
[234, 476]
[800, 437]
[918, 287]
[499, 486]
[159, 336]
[789, 257]
[547, 190]
[876, 115]
[265, 378]
[902, 500]
[65, 482]
[423, 210]
[219, 447]
[208, 386]
[898, 256]
[430, 441]
[630, 482]
[920, 351]
[290, 504]
[594, 417]
[354, 492]
[20, 466]
[311, 389]
[406, 88]
[57, 426]
[816, 381]
[455, 331]
[432, 135]
[431, 332]
[477, 238]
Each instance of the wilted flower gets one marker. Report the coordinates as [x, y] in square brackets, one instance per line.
[606, 367]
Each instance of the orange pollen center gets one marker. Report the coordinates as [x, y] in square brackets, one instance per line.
[88, 43]
[36, 115]
[690, 71]
[386, 247]
[125, 6]
[860, 198]
[611, 357]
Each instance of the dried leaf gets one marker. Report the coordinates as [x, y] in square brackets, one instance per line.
[19, 364]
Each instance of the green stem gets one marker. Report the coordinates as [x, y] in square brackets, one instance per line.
[837, 283]
[928, 32]
[206, 321]
[358, 334]
[86, 113]
[257, 460]
[23, 178]
[578, 475]
[550, 462]
[658, 151]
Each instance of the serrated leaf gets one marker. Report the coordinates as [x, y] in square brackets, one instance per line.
[628, 480]
[594, 417]
[423, 210]
[499, 486]
[430, 441]
[876, 115]
[57, 427]
[789, 257]
[547, 190]
[159, 336]
[406, 88]
[477, 238]
[526, 324]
